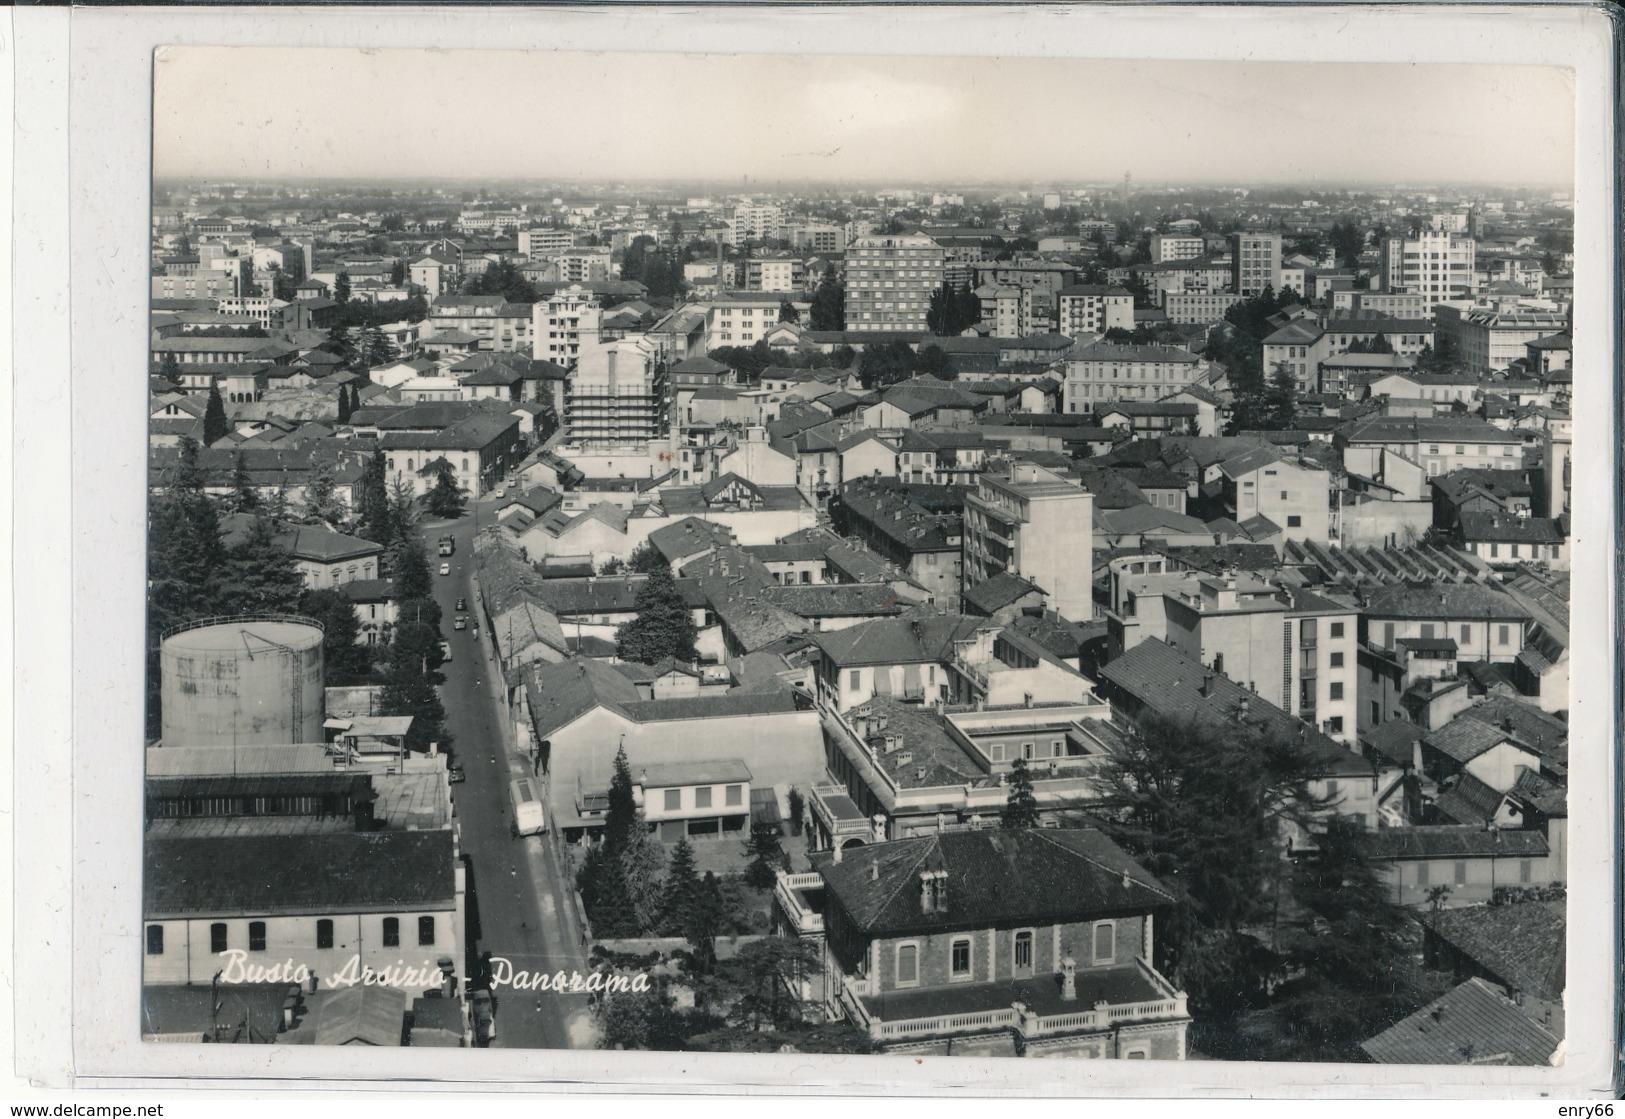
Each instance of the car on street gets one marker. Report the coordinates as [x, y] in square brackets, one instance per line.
[455, 774]
[445, 569]
[502, 491]
[460, 623]
[445, 650]
[462, 605]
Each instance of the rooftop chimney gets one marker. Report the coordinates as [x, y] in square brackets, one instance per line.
[1242, 708]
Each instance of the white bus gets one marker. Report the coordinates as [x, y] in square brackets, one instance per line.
[527, 808]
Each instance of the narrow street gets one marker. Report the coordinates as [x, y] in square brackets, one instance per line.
[518, 906]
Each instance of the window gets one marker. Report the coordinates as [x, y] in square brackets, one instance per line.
[1057, 748]
[959, 959]
[1503, 635]
[256, 936]
[674, 799]
[392, 932]
[1027, 750]
[425, 930]
[855, 681]
[702, 797]
[1105, 942]
[1525, 868]
[1336, 691]
[1284, 495]
[908, 965]
[155, 940]
[1023, 960]
[324, 933]
[1461, 874]
[1422, 874]
[995, 752]
[1334, 725]
[1337, 629]
[1427, 630]
[1336, 660]
[1292, 521]
[1388, 635]
[1466, 634]
[734, 795]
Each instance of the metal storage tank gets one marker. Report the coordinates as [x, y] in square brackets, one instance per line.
[249, 680]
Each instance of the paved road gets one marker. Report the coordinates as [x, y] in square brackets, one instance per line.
[518, 907]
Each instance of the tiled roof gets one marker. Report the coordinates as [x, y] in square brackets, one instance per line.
[559, 694]
[1004, 589]
[687, 537]
[1108, 351]
[1473, 601]
[1473, 1024]
[335, 873]
[890, 641]
[1521, 945]
[995, 877]
[1503, 528]
[836, 600]
[1471, 801]
[1395, 740]
[1465, 738]
[1453, 841]
[1545, 797]
[1163, 680]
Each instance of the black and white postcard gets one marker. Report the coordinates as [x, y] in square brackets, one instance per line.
[1016, 544]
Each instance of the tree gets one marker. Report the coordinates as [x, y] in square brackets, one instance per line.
[933, 362]
[605, 894]
[621, 813]
[321, 501]
[259, 576]
[640, 1020]
[341, 288]
[397, 273]
[376, 348]
[214, 418]
[403, 508]
[345, 411]
[643, 862]
[446, 499]
[886, 363]
[1281, 399]
[788, 312]
[170, 368]
[762, 983]
[1200, 807]
[765, 854]
[1353, 949]
[344, 658]
[682, 891]
[409, 567]
[829, 302]
[798, 805]
[244, 497]
[663, 627]
[705, 923]
[645, 558]
[1348, 242]
[1021, 805]
[409, 682]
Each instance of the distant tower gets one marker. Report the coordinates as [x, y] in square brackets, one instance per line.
[1128, 185]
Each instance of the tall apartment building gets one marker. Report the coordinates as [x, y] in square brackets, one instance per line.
[1032, 522]
[1255, 262]
[535, 243]
[1436, 265]
[1096, 308]
[819, 238]
[774, 273]
[889, 281]
[562, 323]
[738, 318]
[751, 221]
[1197, 306]
[1176, 246]
[616, 394]
[584, 266]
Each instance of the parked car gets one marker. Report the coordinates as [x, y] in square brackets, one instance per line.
[445, 650]
[460, 623]
[455, 774]
[462, 605]
[445, 569]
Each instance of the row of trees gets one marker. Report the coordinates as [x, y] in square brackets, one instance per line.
[886, 363]
[953, 310]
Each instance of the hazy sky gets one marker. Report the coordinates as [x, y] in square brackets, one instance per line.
[240, 112]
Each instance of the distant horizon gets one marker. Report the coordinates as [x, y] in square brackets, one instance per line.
[514, 116]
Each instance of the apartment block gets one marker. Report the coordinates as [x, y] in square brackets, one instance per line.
[1032, 522]
[1093, 308]
[1176, 246]
[1436, 265]
[562, 323]
[616, 394]
[536, 243]
[1197, 307]
[889, 281]
[1255, 262]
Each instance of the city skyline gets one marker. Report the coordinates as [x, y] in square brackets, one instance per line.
[837, 119]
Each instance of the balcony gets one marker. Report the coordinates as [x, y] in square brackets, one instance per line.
[1106, 998]
[791, 892]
